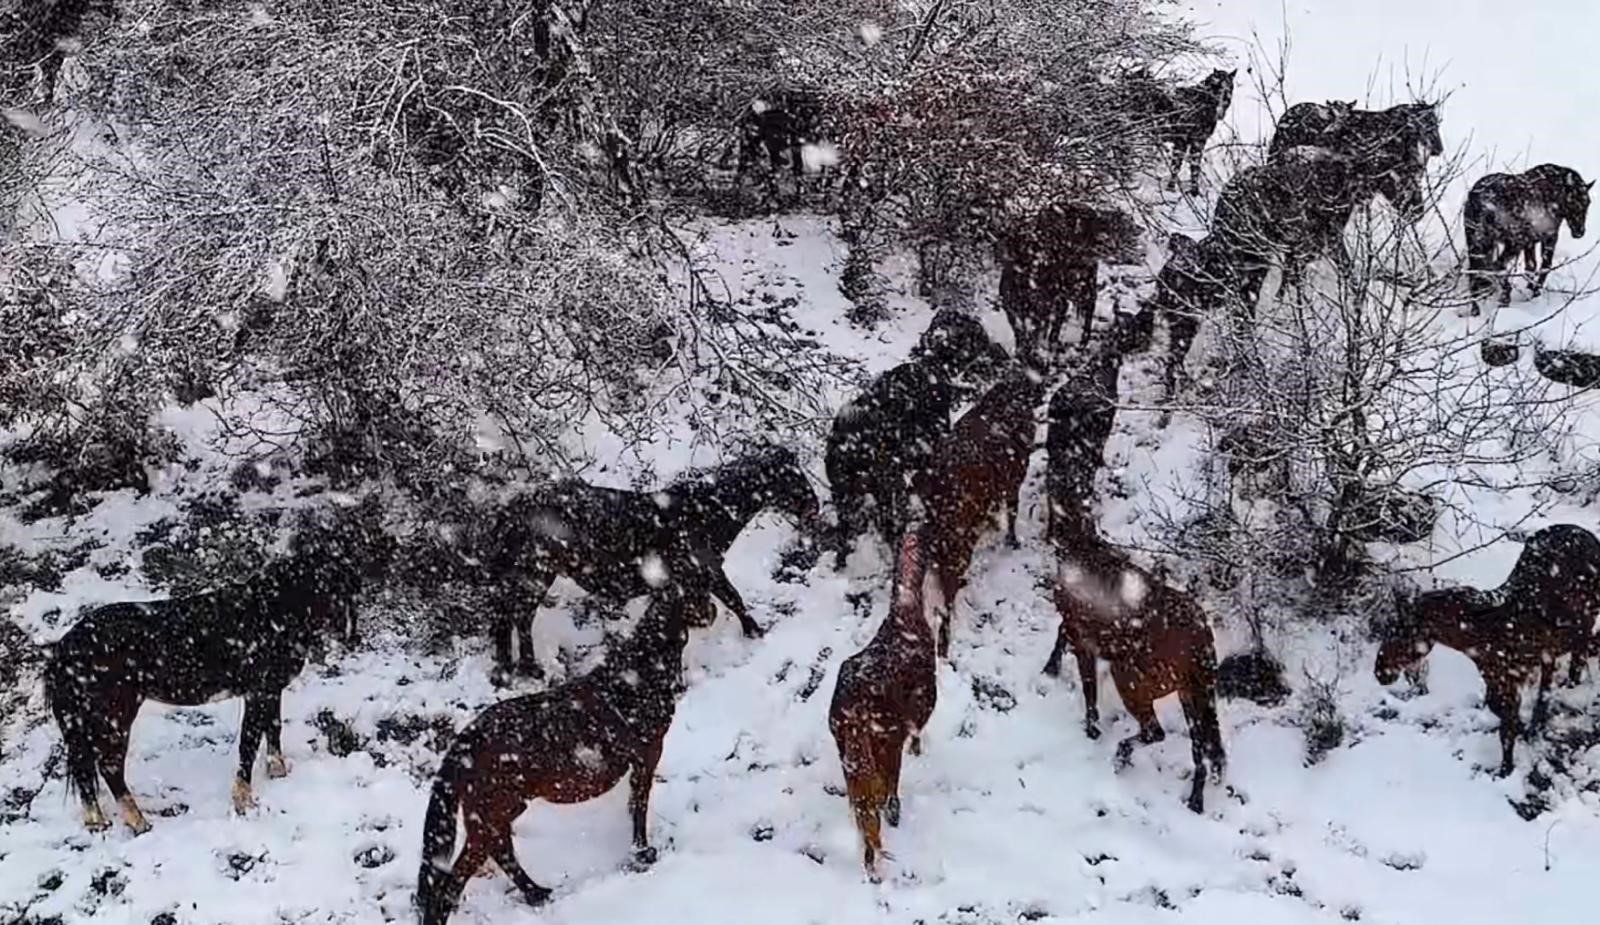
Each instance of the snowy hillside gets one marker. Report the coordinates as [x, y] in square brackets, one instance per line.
[1010, 814]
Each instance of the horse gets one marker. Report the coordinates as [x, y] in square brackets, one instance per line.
[782, 125]
[1191, 119]
[976, 473]
[245, 640]
[882, 439]
[1297, 206]
[1545, 609]
[1156, 640]
[1404, 135]
[611, 541]
[882, 698]
[1050, 264]
[1509, 215]
[1079, 422]
[1191, 283]
[568, 744]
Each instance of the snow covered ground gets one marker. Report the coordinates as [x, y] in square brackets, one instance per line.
[1010, 815]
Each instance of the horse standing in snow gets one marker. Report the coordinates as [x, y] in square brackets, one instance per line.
[1185, 118]
[883, 697]
[1050, 266]
[1190, 285]
[782, 125]
[976, 473]
[882, 441]
[1079, 421]
[1295, 208]
[249, 640]
[1400, 136]
[1156, 640]
[1509, 215]
[1544, 610]
[568, 744]
[618, 544]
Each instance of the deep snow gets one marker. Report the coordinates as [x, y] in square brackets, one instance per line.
[1010, 814]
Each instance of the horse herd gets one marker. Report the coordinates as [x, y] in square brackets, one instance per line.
[898, 468]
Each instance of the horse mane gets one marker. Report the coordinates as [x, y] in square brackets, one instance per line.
[745, 464]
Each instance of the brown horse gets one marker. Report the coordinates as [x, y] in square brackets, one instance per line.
[568, 744]
[1080, 417]
[1050, 265]
[884, 696]
[976, 473]
[1544, 610]
[1157, 641]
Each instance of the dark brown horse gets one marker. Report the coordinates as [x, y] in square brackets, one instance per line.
[1403, 135]
[1545, 610]
[1183, 117]
[1510, 215]
[1049, 268]
[882, 441]
[248, 640]
[568, 744]
[610, 541]
[1079, 422]
[1191, 285]
[883, 698]
[1156, 640]
[976, 473]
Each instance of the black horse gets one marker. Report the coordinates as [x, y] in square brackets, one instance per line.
[619, 544]
[568, 744]
[1508, 215]
[248, 640]
[882, 439]
[781, 125]
[1190, 285]
[1295, 207]
[1407, 134]
[1081, 414]
[1050, 266]
[1184, 118]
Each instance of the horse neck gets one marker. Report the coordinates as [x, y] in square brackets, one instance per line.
[641, 679]
[1461, 622]
[726, 504]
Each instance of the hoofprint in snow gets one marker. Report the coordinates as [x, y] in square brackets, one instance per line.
[1009, 815]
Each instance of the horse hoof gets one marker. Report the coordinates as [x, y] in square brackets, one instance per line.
[754, 631]
[1052, 668]
[891, 812]
[644, 857]
[277, 767]
[1196, 806]
[1093, 732]
[243, 800]
[95, 821]
[916, 745]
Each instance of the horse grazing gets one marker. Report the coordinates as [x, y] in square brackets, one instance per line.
[882, 439]
[1296, 207]
[782, 125]
[976, 473]
[1050, 265]
[1190, 285]
[1156, 640]
[610, 541]
[1404, 135]
[247, 640]
[883, 697]
[1544, 610]
[1509, 215]
[1079, 423]
[568, 744]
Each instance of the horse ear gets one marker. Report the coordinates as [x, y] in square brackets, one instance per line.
[1589, 185]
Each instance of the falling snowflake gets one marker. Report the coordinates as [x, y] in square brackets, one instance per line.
[276, 284]
[653, 570]
[819, 155]
[870, 33]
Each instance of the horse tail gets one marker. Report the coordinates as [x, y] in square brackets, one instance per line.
[64, 691]
[435, 892]
[1203, 691]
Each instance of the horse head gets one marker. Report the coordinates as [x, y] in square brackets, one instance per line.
[1220, 83]
[1403, 642]
[783, 485]
[1576, 206]
[957, 345]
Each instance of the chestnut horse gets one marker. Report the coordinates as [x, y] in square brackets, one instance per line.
[976, 473]
[884, 696]
[1156, 640]
[1544, 610]
[568, 744]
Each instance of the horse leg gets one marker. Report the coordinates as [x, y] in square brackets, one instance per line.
[1181, 330]
[1547, 248]
[113, 754]
[865, 792]
[1503, 267]
[1199, 741]
[723, 589]
[1502, 699]
[1196, 149]
[1143, 711]
[1091, 691]
[1541, 700]
[1052, 665]
[892, 758]
[257, 716]
[277, 765]
[639, 783]
[504, 854]
[1008, 511]
[1176, 163]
